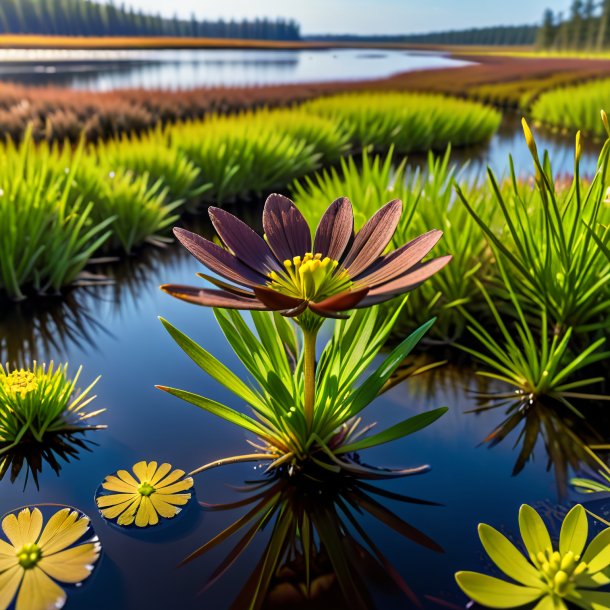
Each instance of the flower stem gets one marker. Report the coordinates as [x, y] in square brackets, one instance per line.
[309, 349]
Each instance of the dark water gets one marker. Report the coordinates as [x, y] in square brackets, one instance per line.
[186, 69]
[121, 339]
[114, 331]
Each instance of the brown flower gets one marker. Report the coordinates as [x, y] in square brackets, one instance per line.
[285, 272]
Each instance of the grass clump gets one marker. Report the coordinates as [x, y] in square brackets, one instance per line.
[575, 107]
[407, 121]
[39, 401]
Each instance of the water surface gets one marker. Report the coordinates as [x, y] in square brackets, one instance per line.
[187, 69]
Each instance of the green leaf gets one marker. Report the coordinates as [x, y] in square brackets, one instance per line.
[590, 600]
[409, 426]
[494, 592]
[507, 557]
[218, 409]
[597, 555]
[533, 531]
[365, 394]
[574, 531]
[213, 367]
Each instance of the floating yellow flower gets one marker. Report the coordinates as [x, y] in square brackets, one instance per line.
[34, 558]
[155, 491]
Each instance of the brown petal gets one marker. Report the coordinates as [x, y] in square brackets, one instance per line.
[212, 298]
[286, 229]
[340, 302]
[335, 230]
[406, 282]
[295, 311]
[373, 238]
[243, 241]
[276, 301]
[218, 259]
[224, 285]
[400, 261]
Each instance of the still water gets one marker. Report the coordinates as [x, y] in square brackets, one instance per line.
[114, 331]
[187, 69]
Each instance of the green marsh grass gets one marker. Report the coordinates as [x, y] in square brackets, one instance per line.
[126, 192]
[575, 108]
[410, 122]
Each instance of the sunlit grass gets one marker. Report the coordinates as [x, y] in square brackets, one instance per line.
[41, 400]
[407, 121]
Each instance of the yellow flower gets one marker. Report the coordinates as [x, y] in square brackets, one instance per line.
[155, 491]
[19, 382]
[34, 558]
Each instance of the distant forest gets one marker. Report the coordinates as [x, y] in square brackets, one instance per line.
[87, 18]
[586, 27]
[498, 35]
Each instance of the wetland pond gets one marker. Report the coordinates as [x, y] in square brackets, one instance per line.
[113, 331]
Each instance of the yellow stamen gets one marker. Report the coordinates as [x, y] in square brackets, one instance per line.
[310, 277]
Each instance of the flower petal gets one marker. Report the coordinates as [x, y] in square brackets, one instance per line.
[506, 556]
[574, 531]
[163, 507]
[533, 531]
[113, 499]
[336, 229]
[218, 259]
[182, 485]
[212, 298]
[400, 261]
[73, 565]
[495, 593]
[245, 243]
[127, 477]
[595, 600]
[238, 290]
[162, 471]
[72, 528]
[126, 513]
[276, 301]
[112, 483]
[409, 281]
[141, 471]
[9, 583]
[373, 238]
[172, 477]
[343, 301]
[597, 555]
[6, 550]
[147, 515]
[286, 229]
[31, 525]
[39, 592]
[23, 528]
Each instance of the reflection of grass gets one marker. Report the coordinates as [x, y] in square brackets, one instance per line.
[319, 550]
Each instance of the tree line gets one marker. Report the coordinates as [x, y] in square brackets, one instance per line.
[88, 18]
[585, 27]
[498, 35]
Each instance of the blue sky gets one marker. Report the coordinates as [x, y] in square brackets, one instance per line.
[367, 16]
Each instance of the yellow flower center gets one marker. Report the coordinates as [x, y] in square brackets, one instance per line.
[310, 278]
[560, 572]
[146, 489]
[29, 556]
[20, 382]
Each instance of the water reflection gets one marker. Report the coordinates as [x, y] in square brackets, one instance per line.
[186, 69]
[38, 327]
[318, 553]
[564, 434]
[32, 457]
